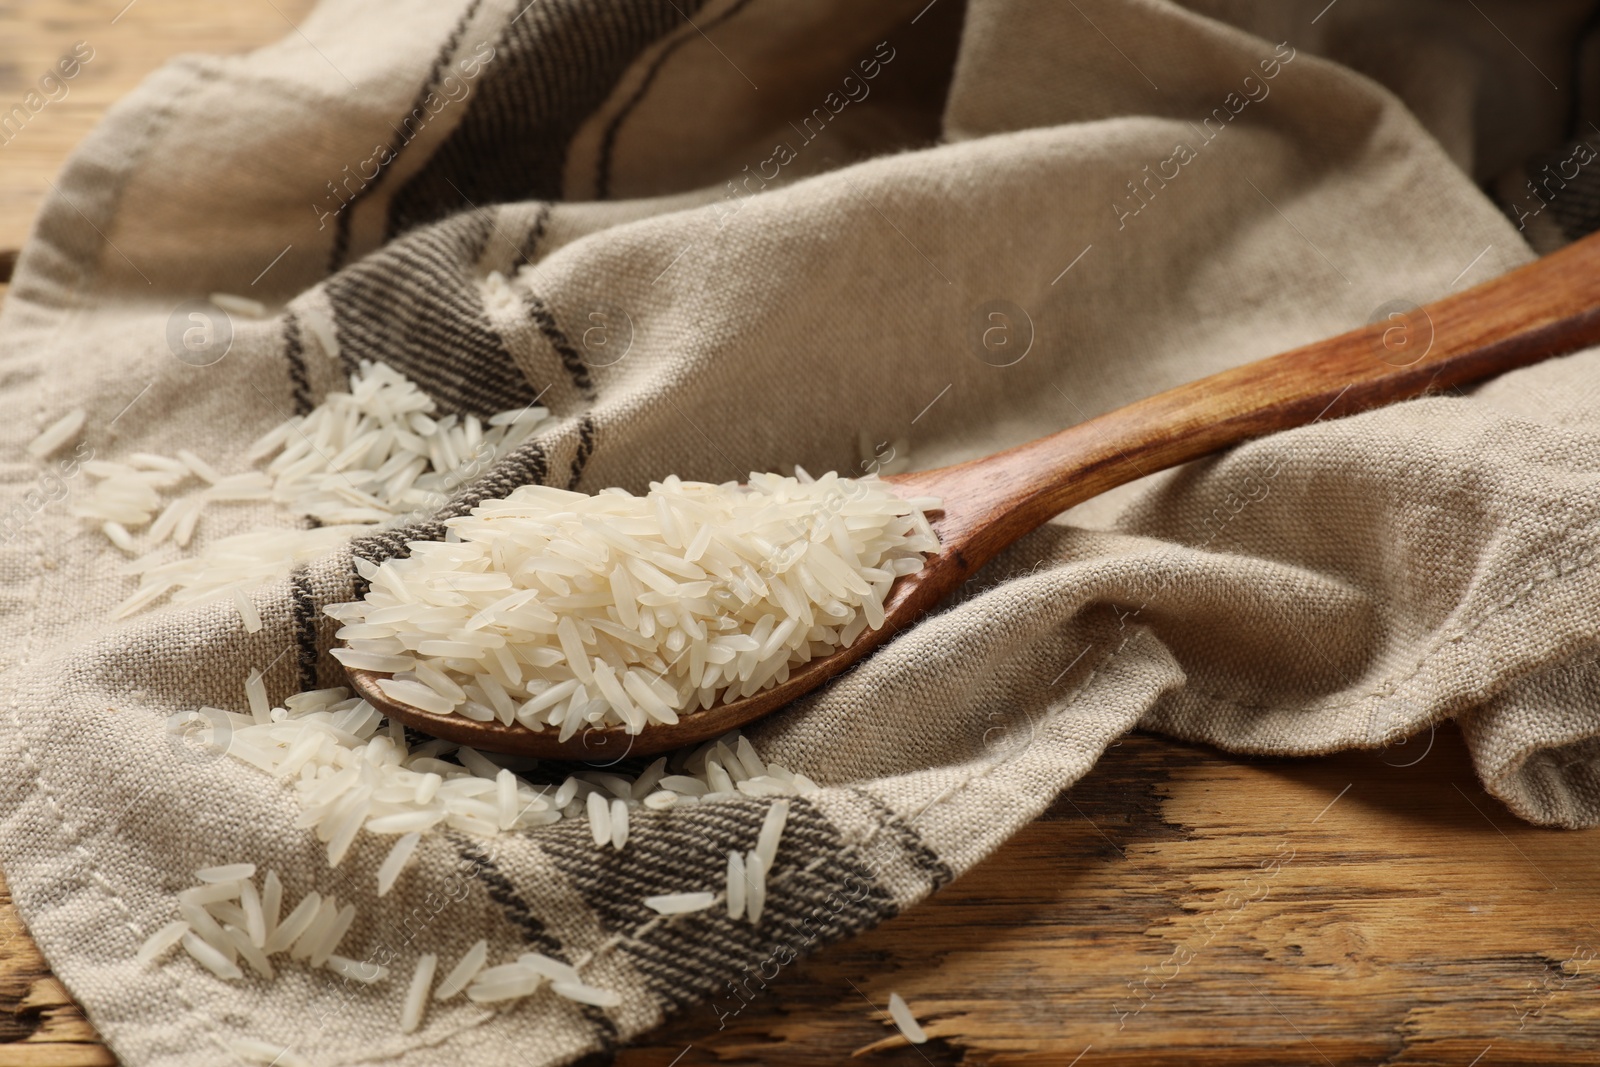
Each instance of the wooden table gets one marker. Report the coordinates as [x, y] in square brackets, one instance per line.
[1179, 906]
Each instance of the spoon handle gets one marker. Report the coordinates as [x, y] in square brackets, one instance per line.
[1547, 308]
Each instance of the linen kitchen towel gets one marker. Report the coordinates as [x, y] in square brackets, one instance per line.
[722, 236]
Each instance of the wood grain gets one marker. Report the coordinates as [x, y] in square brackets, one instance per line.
[1408, 919]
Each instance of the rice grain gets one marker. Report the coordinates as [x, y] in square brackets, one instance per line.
[396, 860]
[680, 903]
[266, 1053]
[232, 872]
[159, 942]
[465, 970]
[57, 434]
[905, 1021]
[211, 958]
[562, 604]
[416, 1001]
[737, 884]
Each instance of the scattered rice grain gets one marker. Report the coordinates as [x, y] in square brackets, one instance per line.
[905, 1021]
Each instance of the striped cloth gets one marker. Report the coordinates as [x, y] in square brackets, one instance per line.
[746, 234]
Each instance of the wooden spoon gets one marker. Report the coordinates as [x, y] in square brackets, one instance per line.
[1546, 308]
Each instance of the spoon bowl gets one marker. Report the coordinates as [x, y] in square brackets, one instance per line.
[909, 597]
[1547, 308]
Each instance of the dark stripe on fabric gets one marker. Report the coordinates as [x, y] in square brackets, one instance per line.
[416, 305]
[502, 892]
[294, 354]
[580, 459]
[1573, 203]
[534, 932]
[305, 629]
[608, 141]
[554, 66]
[910, 841]
[819, 892]
[341, 234]
[571, 359]
[528, 465]
[530, 244]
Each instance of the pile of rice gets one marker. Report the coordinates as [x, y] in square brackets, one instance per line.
[353, 770]
[559, 610]
[485, 985]
[371, 456]
[227, 919]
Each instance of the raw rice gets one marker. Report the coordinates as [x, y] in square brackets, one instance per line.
[619, 824]
[159, 942]
[527, 974]
[57, 434]
[771, 829]
[737, 884]
[396, 860]
[295, 925]
[680, 903]
[465, 970]
[321, 329]
[560, 610]
[755, 880]
[218, 933]
[253, 1050]
[118, 535]
[364, 971]
[587, 994]
[599, 819]
[352, 770]
[232, 872]
[247, 560]
[511, 981]
[239, 305]
[331, 938]
[360, 458]
[211, 958]
[271, 902]
[209, 894]
[255, 919]
[317, 931]
[907, 1022]
[249, 952]
[247, 610]
[553, 969]
[207, 928]
[416, 1001]
[255, 692]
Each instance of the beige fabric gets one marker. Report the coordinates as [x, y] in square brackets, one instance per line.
[1342, 585]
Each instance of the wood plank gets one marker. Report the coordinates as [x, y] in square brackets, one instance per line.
[56, 1056]
[39, 1023]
